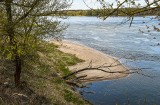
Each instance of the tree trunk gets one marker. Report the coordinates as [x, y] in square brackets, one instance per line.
[10, 31]
[17, 74]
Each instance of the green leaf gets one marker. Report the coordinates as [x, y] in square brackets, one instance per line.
[9, 56]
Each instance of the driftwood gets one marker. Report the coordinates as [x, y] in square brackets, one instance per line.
[102, 68]
[78, 78]
[91, 92]
[75, 84]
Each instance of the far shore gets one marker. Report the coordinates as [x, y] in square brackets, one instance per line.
[92, 58]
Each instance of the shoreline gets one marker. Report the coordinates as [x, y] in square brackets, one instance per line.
[92, 58]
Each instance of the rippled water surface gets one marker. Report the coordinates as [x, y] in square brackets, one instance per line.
[136, 49]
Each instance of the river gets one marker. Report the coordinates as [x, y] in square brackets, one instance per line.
[136, 49]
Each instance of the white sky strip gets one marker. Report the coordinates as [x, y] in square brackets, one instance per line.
[79, 4]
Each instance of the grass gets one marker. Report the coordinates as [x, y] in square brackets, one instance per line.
[41, 78]
[69, 96]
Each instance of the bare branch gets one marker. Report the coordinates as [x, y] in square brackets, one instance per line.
[94, 68]
[114, 10]
[103, 68]
[27, 13]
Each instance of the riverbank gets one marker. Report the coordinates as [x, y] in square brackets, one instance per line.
[93, 59]
[41, 80]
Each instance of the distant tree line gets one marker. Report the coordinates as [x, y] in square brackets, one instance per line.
[100, 12]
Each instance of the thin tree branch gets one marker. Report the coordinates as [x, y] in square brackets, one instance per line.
[27, 13]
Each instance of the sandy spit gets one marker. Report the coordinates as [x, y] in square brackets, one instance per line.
[92, 58]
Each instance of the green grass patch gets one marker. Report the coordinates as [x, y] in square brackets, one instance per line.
[43, 75]
[70, 97]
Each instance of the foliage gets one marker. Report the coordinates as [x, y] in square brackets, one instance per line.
[41, 81]
[24, 26]
[30, 25]
[134, 8]
[69, 96]
[106, 12]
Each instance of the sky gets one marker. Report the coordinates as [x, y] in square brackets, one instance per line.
[79, 4]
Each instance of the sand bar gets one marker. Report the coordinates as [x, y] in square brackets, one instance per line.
[92, 58]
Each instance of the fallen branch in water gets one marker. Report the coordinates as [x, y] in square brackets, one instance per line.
[75, 84]
[100, 69]
[106, 68]
[103, 69]
[84, 91]
[78, 78]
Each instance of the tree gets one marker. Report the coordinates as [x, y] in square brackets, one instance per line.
[130, 8]
[23, 26]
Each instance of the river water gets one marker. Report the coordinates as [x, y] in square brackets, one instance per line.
[136, 49]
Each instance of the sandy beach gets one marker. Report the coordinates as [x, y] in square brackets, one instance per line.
[92, 58]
